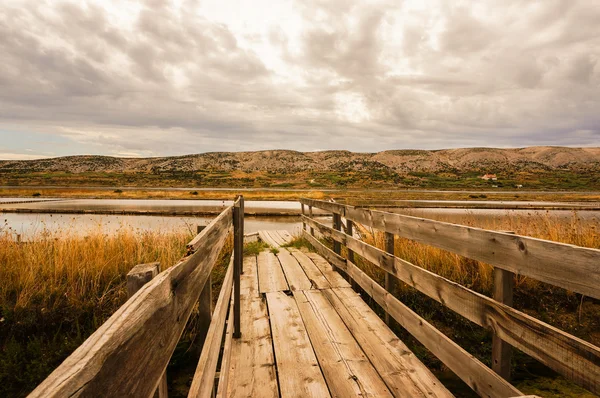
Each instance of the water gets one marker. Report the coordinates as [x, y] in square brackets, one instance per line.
[144, 205]
[28, 225]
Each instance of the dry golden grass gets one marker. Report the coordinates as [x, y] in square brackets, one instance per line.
[66, 269]
[343, 195]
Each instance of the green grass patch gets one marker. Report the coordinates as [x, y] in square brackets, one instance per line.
[254, 248]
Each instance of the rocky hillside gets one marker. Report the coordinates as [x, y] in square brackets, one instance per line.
[398, 161]
[538, 167]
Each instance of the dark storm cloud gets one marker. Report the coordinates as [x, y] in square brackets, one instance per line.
[349, 75]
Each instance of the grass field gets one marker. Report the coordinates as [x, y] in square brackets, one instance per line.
[55, 292]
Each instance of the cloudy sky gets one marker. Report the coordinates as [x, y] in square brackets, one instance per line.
[159, 77]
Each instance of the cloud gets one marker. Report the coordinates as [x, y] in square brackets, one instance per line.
[159, 77]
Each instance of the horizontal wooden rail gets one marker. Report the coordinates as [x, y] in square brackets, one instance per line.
[473, 372]
[128, 354]
[571, 267]
[570, 356]
[203, 382]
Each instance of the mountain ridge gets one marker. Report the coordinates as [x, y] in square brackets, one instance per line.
[400, 161]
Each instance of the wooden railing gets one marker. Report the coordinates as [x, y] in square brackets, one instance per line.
[127, 356]
[571, 267]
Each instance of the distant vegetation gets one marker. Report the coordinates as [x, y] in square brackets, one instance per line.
[549, 168]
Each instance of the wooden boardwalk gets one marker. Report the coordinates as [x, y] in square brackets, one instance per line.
[306, 333]
[287, 324]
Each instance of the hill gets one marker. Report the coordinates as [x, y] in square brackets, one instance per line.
[536, 167]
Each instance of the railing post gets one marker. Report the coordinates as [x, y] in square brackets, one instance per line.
[303, 213]
[390, 280]
[136, 278]
[349, 232]
[238, 260]
[337, 225]
[503, 292]
[310, 214]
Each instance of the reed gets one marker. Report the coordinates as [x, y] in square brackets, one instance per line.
[56, 288]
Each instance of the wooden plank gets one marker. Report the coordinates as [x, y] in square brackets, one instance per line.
[226, 358]
[122, 358]
[136, 278]
[346, 368]
[287, 237]
[334, 278]
[265, 237]
[296, 278]
[537, 258]
[313, 273]
[270, 274]
[297, 366]
[475, 374]
[282, 241]
[252, 370]
[570, 356]
[274, 238]
[402, 372]
[202, 383]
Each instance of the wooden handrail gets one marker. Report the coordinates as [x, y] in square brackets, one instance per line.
[574, 358]
[568, 266]
[472, 371]
[128, 354]
[202, 384]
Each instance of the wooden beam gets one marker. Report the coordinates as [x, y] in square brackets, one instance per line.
[298, 370]
[203, 381]
[536, 258]
[475, 374]
[238, 259]
[136, 278]
[310, 214]
[568, 355]
[122, 358]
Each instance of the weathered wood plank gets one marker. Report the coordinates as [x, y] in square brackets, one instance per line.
[475, 374]
[296, 278]
[537, 258]
[297, 366]
[287, 237]
[202, 383]
[136, 278]
[270, 274]
[273, 237]
[226, 358]
[402, 372]
[252, 366]
[265, 237]
[346, 368]
[278, 236]
[313, 273]
[334, 278]
[122, 357]
[570, 356]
